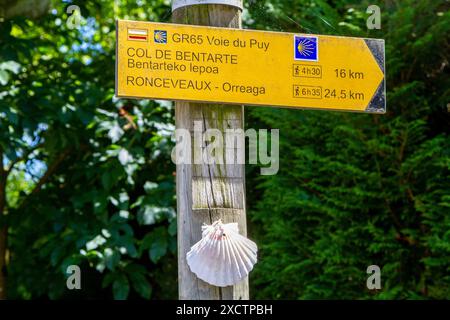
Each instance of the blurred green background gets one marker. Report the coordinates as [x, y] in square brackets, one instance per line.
[87, 179]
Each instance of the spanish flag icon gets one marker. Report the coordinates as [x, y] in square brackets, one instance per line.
[137, 35]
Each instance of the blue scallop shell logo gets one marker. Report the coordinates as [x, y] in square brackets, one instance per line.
[306, 48]
[160, 36]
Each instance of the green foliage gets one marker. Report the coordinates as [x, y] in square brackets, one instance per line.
[356, 190]
[92, 179]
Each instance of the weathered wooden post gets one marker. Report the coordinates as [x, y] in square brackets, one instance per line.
[206, 193]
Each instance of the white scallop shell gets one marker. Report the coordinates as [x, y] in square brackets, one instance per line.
[222, 257]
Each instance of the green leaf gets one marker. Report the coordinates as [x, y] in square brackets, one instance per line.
[158, 249]
[108, 279]
[112, 258]
[115, 133]
[4, 77]
[173, 245]
[12, 66]
[149, 186]
[141, 285]
[150, 214]
[107, 180]
[173, 227]
[121, 287]
[131, 250]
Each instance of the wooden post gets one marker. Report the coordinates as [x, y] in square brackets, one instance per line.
[206, 193]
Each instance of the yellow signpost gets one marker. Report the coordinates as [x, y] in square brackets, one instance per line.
[194, 63]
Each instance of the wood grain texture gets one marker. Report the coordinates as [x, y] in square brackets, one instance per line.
[206, 193]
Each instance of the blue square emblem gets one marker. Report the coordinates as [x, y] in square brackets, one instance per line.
[160, 36]
[306, 48]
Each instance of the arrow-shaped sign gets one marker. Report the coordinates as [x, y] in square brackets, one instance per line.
[193, 63]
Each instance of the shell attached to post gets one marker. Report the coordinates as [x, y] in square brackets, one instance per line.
[222, 257]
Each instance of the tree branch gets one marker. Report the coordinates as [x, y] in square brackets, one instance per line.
[24, 157]
[50, 171]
